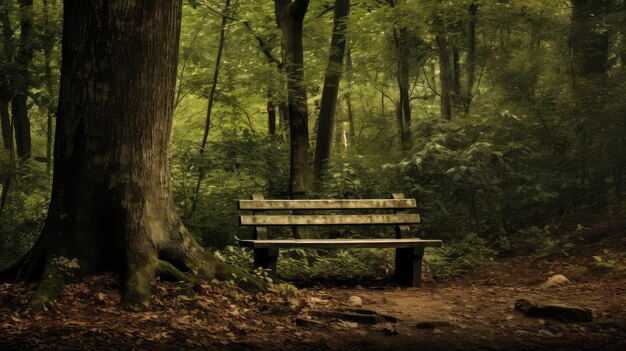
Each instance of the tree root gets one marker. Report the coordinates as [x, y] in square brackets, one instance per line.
[138, 285]
[189, 265]
[49, 288]
[168, 271]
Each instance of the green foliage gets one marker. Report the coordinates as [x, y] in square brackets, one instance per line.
[609, 262]
[66, 265]
[25, 210]
[470, 252]
[303, 265]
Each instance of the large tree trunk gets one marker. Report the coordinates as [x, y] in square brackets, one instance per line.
[290, 18]
[19, 108]
[331, 89]
[111, 206]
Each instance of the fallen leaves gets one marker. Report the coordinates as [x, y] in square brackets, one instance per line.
[88, 315]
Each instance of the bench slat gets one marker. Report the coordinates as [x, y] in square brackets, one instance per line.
[326, 204]
[340, 243]
[278, 220]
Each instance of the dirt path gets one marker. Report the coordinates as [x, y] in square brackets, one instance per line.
[483, 317]
[475, 312]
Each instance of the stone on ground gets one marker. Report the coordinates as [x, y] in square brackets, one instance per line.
[355, 301]
[554, 281]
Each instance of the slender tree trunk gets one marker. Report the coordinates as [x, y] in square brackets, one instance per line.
[352, 129]
[271, 113]
[7, 182]
[331, 89]
[404, 106]
[290, 18]
[589, 42]
[19, 109]
[6, 88]
[444, 75]
[111, 206]
[48, 45]
[456, 80]
[207, 124]
[5, 124]
[470, 62]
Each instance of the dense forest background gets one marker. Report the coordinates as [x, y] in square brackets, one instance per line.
[504, 119]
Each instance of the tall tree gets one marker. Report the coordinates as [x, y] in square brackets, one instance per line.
[589, 41]
[290, 19]
[207, 123]
[331, 89]
[19, 107]
[6, 86]
[349, 74]
[401, 40]
[266, 46]
[445, 74]
[48, 45]
[470, 61]
[111, 206]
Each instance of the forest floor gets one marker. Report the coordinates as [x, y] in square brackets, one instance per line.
[473, 312]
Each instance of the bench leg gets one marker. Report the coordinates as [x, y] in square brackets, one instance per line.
[409, 266]
[266, 258]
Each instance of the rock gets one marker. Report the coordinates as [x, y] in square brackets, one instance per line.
[555, 280]
[355, 301]
[433, 324]
[554, 311]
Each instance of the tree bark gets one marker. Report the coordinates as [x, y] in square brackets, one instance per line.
[331, 89]
[111, 207]
[290, 18]
[19, 108]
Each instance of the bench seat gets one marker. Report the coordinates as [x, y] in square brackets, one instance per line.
[298, 213]
[339, 243]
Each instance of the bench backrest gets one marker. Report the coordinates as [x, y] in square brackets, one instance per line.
[261, 213]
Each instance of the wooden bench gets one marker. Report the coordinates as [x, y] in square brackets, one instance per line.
[409, 251]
